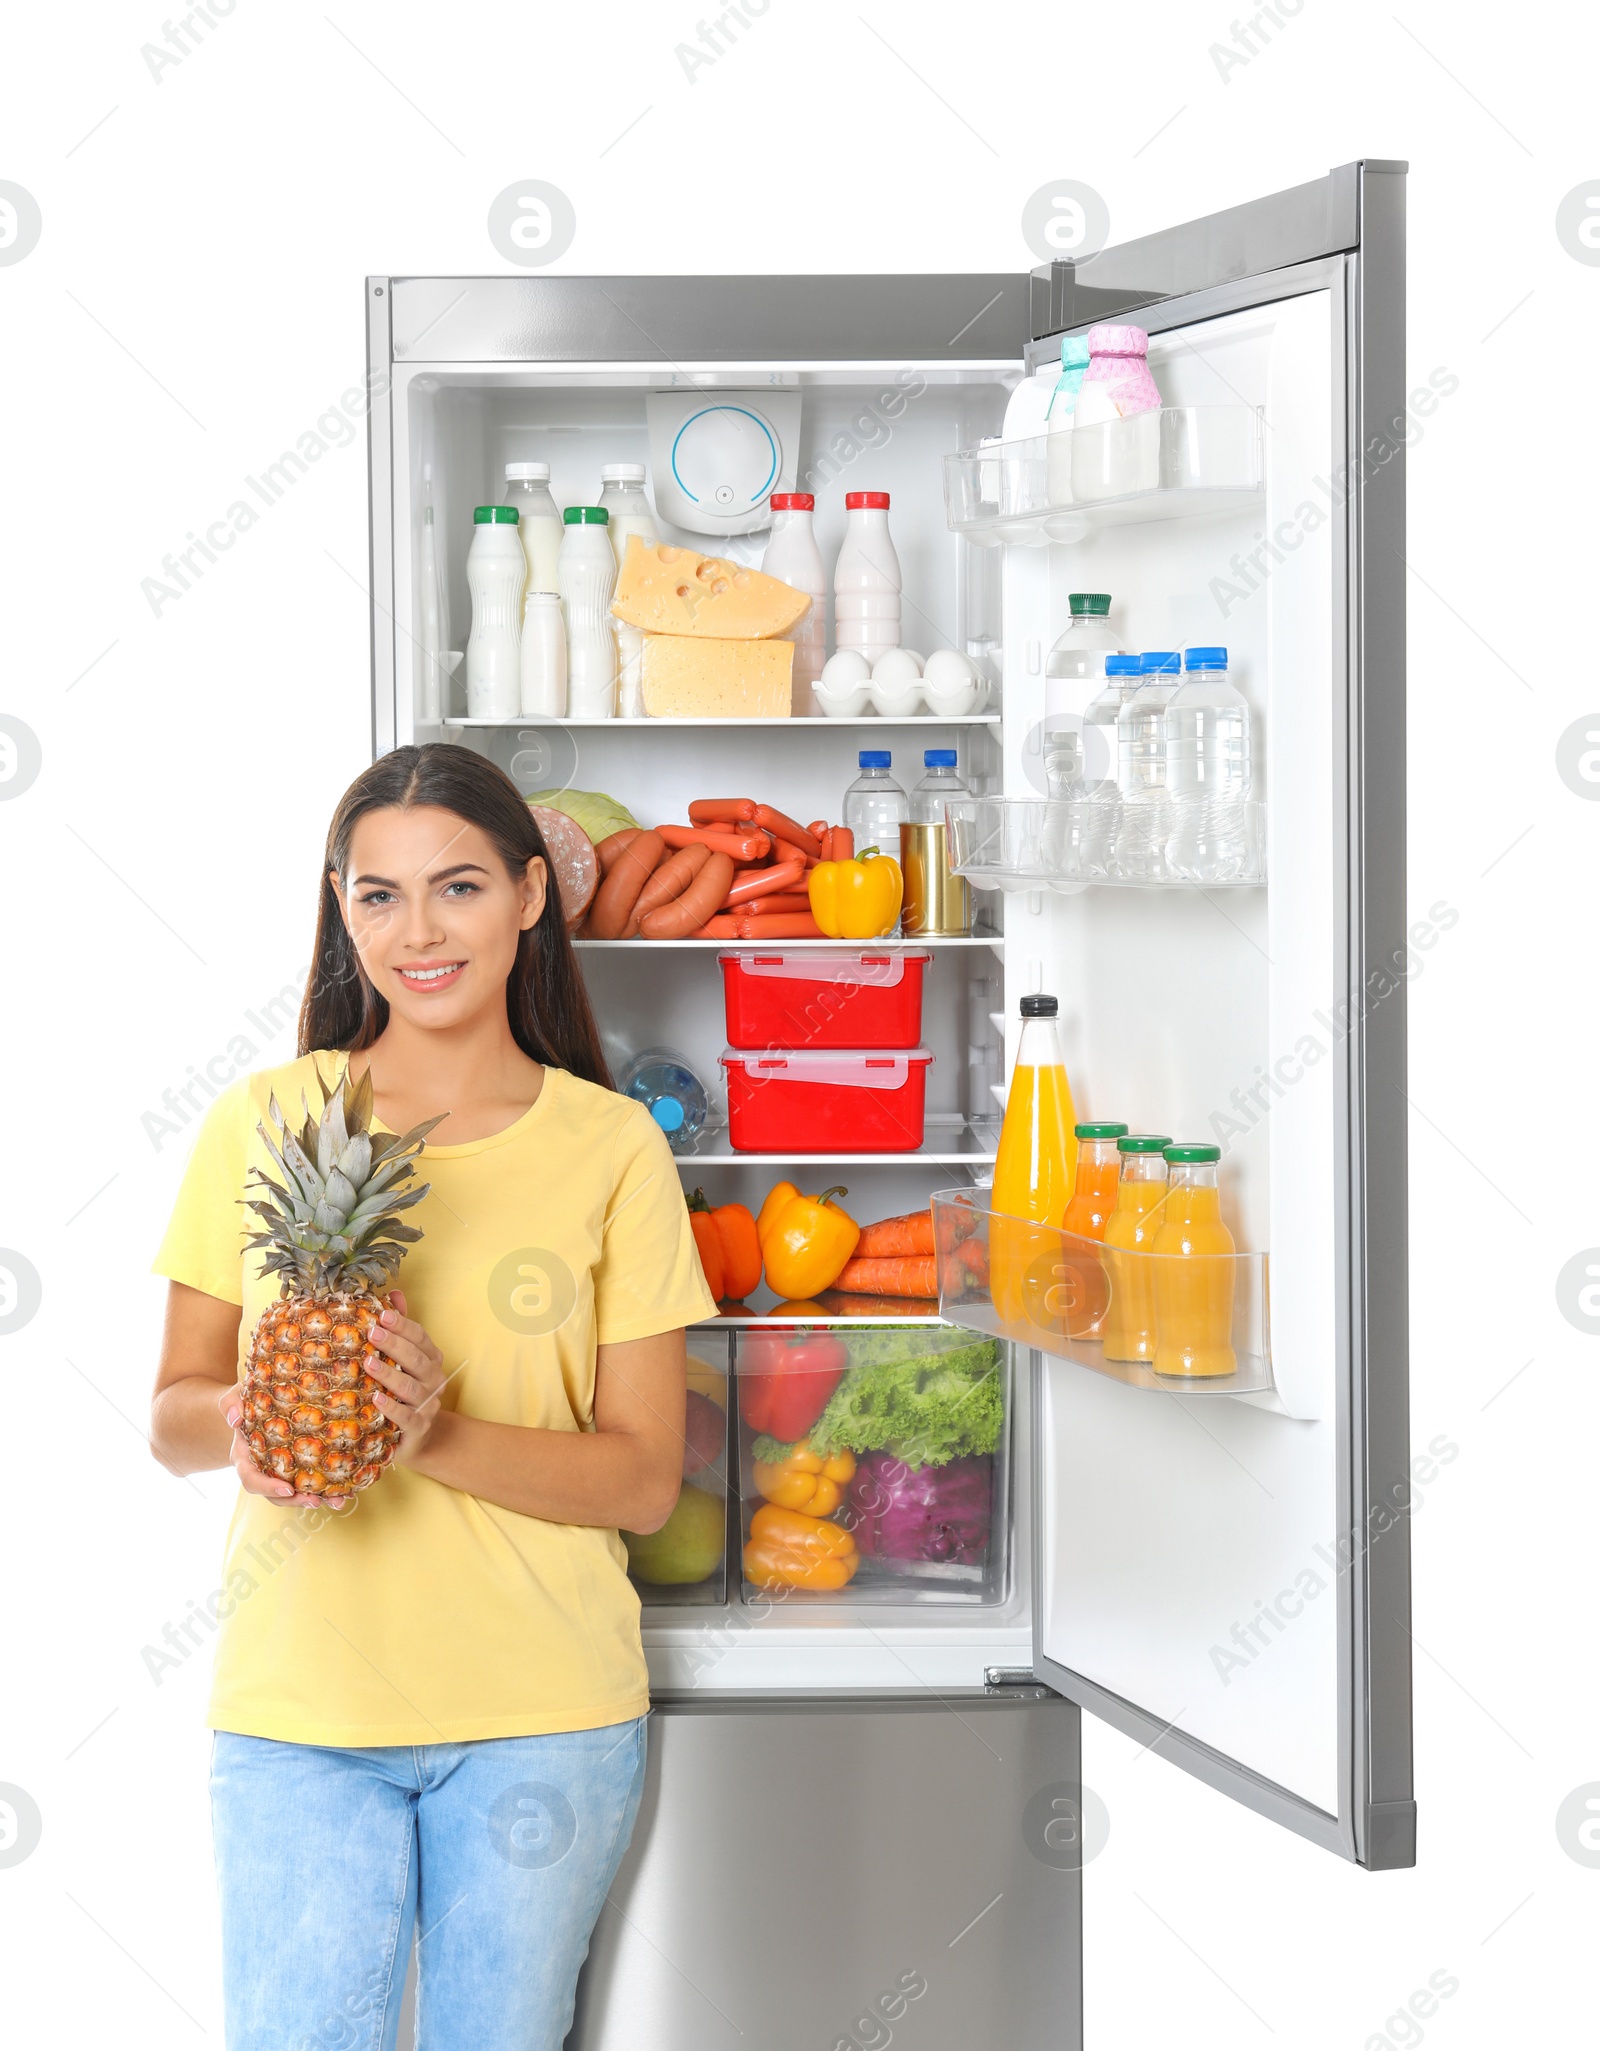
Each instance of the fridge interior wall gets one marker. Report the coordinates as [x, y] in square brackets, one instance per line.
[1171, 1524]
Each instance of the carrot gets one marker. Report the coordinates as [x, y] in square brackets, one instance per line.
[891, 1237]
[778, 926]
[973, 1255]
[722, 811]
[763, 882]
[766, 907]
[744, 847]
[672, 879]
[782, 827]
[720, 928]
[915, 1275]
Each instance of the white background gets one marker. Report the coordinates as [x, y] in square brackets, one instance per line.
[195, 304]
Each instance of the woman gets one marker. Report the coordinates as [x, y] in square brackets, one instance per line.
[429, 1700]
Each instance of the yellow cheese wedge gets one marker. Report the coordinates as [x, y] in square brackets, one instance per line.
[667, 590]
[687, 679]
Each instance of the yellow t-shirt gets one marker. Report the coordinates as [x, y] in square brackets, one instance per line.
[420, 1614]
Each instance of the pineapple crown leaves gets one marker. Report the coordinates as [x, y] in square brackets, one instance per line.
[334, 1219]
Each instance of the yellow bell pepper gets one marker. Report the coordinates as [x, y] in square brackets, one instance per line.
[804, 1480]
[789, 1550]
[777, 1196]
[859, 899]
[806, 1241]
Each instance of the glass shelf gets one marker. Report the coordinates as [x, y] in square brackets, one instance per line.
[1069, 845]
[1183, 462]
[790, 946]
[814, 722]
[949, 1139]
[1069, 1297]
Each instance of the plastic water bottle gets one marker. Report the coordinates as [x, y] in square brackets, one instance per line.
[1139, 854]
[663, 1081]
[1208, 773]
[866, 578]
[1074, 674]
[1096, 816]
[875, 807]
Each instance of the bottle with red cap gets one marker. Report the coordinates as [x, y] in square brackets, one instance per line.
[866, 579]
[793, 555]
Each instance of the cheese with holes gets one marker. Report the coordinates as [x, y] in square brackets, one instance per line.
[667, 590]
[683, 678]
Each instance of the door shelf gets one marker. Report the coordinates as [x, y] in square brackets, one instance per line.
[1058, 1292]
[1183, 462]
[1069, 845]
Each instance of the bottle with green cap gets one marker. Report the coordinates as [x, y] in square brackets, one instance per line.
[1063, 411]
[1094, 1192]
[1194, 1267]
[586, 574]
[497, 574]
[1129, 1331]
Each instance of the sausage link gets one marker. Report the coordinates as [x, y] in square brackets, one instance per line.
[612, 846]
[753, 846]
[722, 811]
[688, 913]
[782, 827]
[612, 911]
[672, 879]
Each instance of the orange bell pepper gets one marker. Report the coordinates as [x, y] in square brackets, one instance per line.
[730, 1246]
[805, 1481]
[789, 1550]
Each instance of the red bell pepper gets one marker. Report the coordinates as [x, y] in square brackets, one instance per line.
[791, 1383]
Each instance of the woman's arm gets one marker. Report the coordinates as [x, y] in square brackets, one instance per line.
[626, 1472]
[197, 1392]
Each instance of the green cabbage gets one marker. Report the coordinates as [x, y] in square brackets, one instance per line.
[598, 815]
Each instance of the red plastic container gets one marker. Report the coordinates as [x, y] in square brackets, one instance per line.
[855, 1102]
[855, 998]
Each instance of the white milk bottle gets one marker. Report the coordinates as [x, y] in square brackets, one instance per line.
[866, 579]
[588, 576]
[627, 513]
[496, 574]
[538, 521]
[544, 657]
[792, 554]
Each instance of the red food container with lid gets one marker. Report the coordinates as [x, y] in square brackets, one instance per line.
[854, 998]
[826, 1102]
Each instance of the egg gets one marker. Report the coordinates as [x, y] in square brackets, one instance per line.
[945, 668]
[849, 666]
[898, 666]
[951, 684]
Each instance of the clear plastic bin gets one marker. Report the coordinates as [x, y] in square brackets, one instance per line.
[873, 1464]
[1089, 1303]
[685, 1563]
[1032, 843]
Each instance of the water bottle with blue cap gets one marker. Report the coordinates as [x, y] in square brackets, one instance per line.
[669, 1089]
[1140, 853]
[1208, 773]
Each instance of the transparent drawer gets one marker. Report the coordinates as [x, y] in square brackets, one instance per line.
[685, 1562]
[873, 1464]
[1188, 1324]
[1067, 844]
[1176, 463]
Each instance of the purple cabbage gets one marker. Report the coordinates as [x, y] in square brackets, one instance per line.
[921, 1513]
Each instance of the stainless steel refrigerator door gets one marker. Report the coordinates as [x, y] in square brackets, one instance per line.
[1342, 238]
[833, 1874]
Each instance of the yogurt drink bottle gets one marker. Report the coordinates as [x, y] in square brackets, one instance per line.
[1059, 420]
[496, 574]
[866, 579]
[627, 513]
[588, 576]
[792, 554]
[538, 521]
[544, 657]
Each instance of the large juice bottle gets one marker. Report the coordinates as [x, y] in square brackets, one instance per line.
[1194, 1276]
[1033, 1172]
[1129, 1332]
[1086, 1291]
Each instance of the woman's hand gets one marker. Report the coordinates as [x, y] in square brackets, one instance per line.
[412, 1376]
[251, 1479]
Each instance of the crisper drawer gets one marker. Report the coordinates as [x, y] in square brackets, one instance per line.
[685, 1563]
[873, 1464]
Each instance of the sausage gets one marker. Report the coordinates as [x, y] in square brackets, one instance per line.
[782, 827]
[819, 829]
[778, 926]
[613, 844]
[753, 846]
[784, 901]
[672, 879]
[630, 872]
[722, 811]
[722, 928]
[841, 845]
[688, 913]
[573, 862]
[763, 882]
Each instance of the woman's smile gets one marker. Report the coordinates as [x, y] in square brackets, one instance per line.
[430, 975]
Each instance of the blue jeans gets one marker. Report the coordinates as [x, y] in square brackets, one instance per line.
[499, 1855]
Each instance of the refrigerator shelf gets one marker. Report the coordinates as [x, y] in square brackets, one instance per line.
[1036, 844]
[789, 946]
[1181, 463]
[1055, 1291]
[539, 719]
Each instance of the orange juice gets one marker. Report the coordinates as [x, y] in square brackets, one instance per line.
[1194, 1287]
[1033, 1172]
[1085, 1289]
[1129, 1330]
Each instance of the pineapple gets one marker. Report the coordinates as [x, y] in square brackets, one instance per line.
[332, 1233]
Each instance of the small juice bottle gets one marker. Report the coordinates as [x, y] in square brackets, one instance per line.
[1086, 1291]
[1194, 1277]
[1129, 1330]
[1033, 1171]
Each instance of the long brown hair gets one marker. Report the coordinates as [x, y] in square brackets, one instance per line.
[546, 1003]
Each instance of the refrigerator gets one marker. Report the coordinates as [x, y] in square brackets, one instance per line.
[863, 1811]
